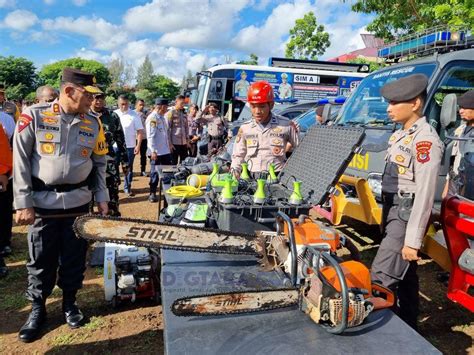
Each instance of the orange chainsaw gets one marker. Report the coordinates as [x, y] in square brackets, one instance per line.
[334, 293]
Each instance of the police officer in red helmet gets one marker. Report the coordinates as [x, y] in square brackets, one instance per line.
[266, 138]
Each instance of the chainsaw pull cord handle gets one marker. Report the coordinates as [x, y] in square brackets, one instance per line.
[344, 293]
[291, 235]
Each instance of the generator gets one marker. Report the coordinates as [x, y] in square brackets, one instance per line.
[130, 273]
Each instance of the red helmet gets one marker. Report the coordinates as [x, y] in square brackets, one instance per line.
[260, 92]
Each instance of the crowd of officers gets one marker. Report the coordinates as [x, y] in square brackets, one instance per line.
[68, 150]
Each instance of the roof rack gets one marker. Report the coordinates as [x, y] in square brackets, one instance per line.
[316, 64]
[441, 38]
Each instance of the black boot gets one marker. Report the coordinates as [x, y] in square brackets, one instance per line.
[152, 198]
[31, 329]
[72, 314]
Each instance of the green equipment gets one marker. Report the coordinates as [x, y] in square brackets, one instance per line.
[259, 196]
[272, 177]
[244, 175]
[296, 198]
[227, 196]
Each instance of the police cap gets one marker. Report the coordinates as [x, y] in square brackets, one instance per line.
[161, 101]
[319, 110]
[467, 100]
[82, 78]
[405, 89]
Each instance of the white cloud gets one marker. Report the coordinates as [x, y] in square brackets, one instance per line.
[19, 20]
[49, 2]
[7, 4]
[79, 2]
[92, 55]
[186, 24]
[105, 35]
[269, 39]
[266, 40]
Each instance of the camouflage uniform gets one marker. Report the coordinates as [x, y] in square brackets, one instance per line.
[114, 136]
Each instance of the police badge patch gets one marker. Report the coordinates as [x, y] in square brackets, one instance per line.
[423, 151]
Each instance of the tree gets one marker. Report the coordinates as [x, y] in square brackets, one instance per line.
[18, 75]
[398, 17]
[307, 39]
[162, 86]
[51, 73]
[253, 60]
[145, 95]
[144, 73]
[121, 74]
[373, 66]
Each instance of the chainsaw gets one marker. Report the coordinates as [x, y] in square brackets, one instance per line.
[334, 293]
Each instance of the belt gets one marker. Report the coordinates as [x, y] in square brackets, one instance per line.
[39, 185]
[396, 198]
[216, 137]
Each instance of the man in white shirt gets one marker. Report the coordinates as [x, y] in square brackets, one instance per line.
[134, 134]
[159, 144]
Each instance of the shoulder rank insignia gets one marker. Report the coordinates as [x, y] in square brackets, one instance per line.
[24, 122]
[423, 151]
[56, 108]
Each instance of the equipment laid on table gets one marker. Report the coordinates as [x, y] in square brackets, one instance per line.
[307, 180]
[337, 294]
[130, 273]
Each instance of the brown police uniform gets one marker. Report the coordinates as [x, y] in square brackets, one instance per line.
[262, 145]
[408, 187]
[178, 131]
[216, 128]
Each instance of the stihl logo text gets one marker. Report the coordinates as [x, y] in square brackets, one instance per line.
[229, 302]
[150, 234]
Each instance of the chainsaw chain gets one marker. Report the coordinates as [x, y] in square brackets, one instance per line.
[251, 239]
[268, 308]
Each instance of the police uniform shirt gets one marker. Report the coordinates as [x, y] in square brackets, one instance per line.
[284, 91]
[131, 123]
[57, 148]
[216, 125]
[157, 134]
[178, 126]
[412, 164]
[261, 145]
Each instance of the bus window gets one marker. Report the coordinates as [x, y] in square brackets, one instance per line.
[458, 78]
[201, 89]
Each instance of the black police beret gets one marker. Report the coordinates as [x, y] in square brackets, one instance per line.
[467, 100]
[79, 77]
[406, 88]
[319, 110]
[161, 101]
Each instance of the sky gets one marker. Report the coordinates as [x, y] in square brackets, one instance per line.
[177, 35]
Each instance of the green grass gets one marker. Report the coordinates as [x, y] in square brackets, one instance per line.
[99, 270]
[9, 302]
[67, 339]
[95, 323]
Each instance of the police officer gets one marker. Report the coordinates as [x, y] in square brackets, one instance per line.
[59, 152]
[178, 130]
[216, 126]
[462, 149]
[263, 140]
[159, 144]
[115, 137]
[408, 188]
[8, 106]
[5, 170]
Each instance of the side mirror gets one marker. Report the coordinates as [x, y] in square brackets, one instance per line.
[448, 110]
[326, 113]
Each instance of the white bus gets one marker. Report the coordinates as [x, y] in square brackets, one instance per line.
[292, 80]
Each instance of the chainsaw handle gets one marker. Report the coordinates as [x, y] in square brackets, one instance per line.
[390, 297]
[338, 329]
[291, 236]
